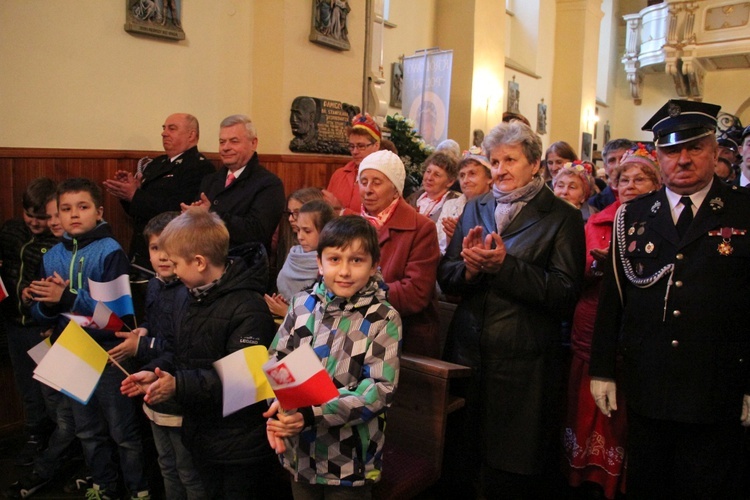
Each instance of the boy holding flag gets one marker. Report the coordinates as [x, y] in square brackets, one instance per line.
[89, 252]
[337, 448]
[225, 313]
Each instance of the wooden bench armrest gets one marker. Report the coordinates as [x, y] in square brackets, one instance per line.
[433, 367]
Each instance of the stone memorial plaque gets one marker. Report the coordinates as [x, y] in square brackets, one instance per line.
[319, 125]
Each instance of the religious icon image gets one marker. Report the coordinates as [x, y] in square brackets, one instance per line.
[160, 18]
[541, 118]
[586, 143]
[329, 23]
[397, 81]
[607, 132]
[514, 95]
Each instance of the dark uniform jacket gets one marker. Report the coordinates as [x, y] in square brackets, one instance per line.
[251, 206]
[685, 338]
[164, 186]
[507, 326]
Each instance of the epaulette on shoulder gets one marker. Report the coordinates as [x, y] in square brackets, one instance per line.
[740, 191]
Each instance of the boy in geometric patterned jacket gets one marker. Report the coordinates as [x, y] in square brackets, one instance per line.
[348, 322]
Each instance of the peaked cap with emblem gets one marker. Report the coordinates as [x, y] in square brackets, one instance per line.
[680, 121]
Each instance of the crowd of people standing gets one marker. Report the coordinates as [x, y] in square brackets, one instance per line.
[593, 317]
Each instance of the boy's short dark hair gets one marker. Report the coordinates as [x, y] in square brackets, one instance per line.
[343, 231]
[196, 232]
[323, 212]
[81, 184]
[37, 194]
[156, 225]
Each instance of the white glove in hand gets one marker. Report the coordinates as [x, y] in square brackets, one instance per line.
[745, 417]
[604, 392]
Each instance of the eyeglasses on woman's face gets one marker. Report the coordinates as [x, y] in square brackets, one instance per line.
[361, 146]
[293, 214]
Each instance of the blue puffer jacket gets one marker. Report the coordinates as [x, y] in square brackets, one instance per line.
[94, 255]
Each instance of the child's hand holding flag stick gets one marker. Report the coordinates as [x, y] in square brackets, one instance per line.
[285, 425]
[137, 383]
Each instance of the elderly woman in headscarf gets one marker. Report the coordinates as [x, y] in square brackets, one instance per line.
[409, 250]
[364, 139]
[638, 173]
[516, 258]
[574, 183]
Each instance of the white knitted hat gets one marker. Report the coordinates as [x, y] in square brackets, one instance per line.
[387, 163]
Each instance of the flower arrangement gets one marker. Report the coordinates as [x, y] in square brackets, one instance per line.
[412, 149]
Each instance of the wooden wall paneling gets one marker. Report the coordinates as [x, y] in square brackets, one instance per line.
[21, 165]
[6, 188]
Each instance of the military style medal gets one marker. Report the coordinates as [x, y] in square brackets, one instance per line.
[725, 248]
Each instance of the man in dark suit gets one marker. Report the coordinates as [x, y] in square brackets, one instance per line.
[673, 304]
[164, 183]
[247, 197]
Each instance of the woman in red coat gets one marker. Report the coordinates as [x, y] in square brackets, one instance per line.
[364, 139]
[409, 251]
[594, 444]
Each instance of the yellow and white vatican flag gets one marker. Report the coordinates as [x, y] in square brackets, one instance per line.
[39, 351]
[74, 364]
[242, 379]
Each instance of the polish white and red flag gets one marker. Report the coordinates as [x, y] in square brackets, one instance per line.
[103, 319]
[3, 291]
[299, 379]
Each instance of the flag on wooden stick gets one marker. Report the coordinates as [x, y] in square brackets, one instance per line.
[300, 380]
[242, 379]
[74, 364]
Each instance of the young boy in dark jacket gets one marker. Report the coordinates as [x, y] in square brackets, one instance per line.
[152, 345]
[226, 313]
[23, 243]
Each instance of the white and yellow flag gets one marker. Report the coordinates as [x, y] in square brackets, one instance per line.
[74, 364]
[242, 379]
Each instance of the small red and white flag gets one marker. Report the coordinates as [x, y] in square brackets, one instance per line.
[300, 380]
[103, 319]
[3, 291]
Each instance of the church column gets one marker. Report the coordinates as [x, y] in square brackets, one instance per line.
[475, 30]
[573, 103]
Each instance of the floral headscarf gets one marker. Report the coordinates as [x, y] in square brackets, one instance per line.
[584, 170]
